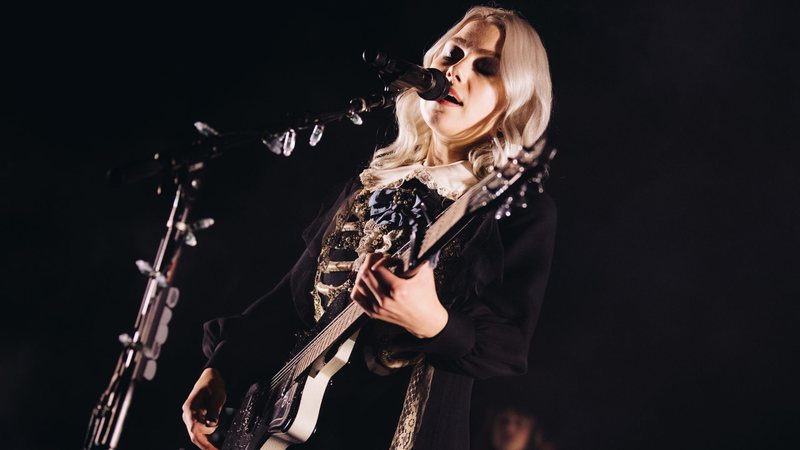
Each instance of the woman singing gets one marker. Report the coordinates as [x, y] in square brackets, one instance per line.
[437, 327]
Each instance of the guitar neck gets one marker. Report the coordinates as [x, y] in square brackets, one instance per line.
[486, 192]
[446, 225]
[334, 331]
[435, 237]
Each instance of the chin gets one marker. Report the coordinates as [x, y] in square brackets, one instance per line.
[447, 127]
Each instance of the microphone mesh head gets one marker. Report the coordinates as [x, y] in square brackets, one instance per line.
[440, 87]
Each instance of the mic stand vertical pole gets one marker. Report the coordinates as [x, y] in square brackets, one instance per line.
[140, 351]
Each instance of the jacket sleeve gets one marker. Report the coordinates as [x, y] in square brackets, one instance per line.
[250, 345]
[254, 344]
[490, 333]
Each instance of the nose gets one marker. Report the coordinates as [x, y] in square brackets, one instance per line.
[454, 72]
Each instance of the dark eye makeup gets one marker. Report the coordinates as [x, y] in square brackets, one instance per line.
[454, 55]
[485, 66]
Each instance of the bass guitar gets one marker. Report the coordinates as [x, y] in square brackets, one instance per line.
[284, 410]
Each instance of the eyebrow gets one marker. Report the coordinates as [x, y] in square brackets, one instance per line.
[482, 51]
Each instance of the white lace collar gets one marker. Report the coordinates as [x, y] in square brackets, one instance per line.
[448, 180]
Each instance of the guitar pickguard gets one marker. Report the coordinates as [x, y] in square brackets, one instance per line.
[274, 420]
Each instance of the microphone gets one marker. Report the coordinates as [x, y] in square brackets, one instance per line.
[430, 84]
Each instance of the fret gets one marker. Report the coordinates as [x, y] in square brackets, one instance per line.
[326, 337]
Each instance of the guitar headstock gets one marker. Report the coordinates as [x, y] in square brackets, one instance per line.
[507, 187]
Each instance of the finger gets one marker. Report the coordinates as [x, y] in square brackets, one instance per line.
[376, 299]
[360, 294]
[200, 426]
[211, 420]
[207, 419]
[377, 288]
[188, 418]
[363, 267]
[372, 294]
[385, 278]
[201, 440]
[388, 262]
[198, 418]
[198, 431]
[364, 299]
[420, 268]
[369, 313]
[365, 309]
[384, 260]
[357, 293]
[373, 259]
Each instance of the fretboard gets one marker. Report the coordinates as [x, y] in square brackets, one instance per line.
[332, 333]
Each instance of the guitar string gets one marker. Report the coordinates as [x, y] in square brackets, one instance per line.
[313, 345]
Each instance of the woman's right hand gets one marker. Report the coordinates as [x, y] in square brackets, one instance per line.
[201, 409]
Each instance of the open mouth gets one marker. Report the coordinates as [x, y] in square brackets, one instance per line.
[453, 100]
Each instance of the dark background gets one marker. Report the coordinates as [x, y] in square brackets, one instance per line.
[669, 316]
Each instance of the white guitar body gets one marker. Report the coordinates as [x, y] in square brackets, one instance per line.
[311, 398]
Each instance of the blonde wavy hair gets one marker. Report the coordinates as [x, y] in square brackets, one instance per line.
[523, 115]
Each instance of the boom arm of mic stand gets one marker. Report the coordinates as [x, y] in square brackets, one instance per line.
[283, 142]
[213, 144]
[187, 158]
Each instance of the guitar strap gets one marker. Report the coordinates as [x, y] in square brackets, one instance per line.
[419, 387]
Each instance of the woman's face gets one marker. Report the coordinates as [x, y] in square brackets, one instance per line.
[471, 62]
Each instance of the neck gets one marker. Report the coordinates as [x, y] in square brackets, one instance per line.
[443, 152]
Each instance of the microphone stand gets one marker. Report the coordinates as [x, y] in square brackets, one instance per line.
[184, 168]
[140, 350]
